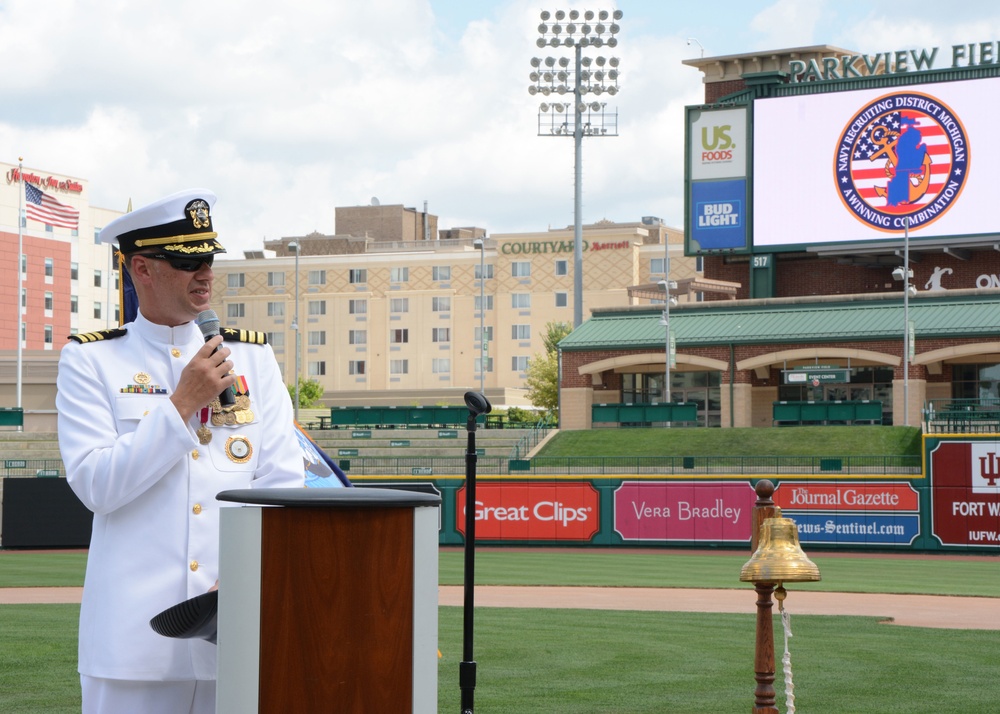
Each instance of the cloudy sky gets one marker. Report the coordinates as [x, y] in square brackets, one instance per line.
[287, 110]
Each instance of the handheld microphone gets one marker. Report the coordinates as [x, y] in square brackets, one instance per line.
[208, 323]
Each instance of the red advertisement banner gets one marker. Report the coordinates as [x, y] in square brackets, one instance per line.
[965, 480]
[684, 510]
[834, 496]
[533, 511]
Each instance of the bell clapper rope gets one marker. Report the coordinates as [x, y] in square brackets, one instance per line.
[786, 660]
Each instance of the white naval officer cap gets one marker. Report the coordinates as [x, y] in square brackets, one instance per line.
[179, 225]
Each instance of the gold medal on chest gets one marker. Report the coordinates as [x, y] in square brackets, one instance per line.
[141, 378]
[204, 435]
[238, 449]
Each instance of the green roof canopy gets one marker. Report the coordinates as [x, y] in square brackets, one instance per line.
[971, 314]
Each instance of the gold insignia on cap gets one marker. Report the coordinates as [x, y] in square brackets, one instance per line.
[199, 212]
[238, 449]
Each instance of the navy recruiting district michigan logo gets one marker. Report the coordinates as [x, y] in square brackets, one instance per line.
[904, 154]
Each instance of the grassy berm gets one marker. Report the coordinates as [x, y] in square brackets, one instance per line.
[782, 441]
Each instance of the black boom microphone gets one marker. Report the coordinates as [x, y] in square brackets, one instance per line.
[208, 323]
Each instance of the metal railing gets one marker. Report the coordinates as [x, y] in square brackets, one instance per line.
[574, 465]
[530, 440]
[19, 468]
[630, 465]
[962, 415]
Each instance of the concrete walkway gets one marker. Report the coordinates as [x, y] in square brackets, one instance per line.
[946, 612]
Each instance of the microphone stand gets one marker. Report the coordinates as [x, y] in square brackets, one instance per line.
[477, 404]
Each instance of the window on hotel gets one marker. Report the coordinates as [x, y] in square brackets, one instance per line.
[317, 307]
[317, 277]
[441, 273]
[399, 366]
[520, 269]
[562, 267]
[519, 363]
[520, 332]
[441, 304]
[357, 337]
[235, 310]
[357, 307]
[48, 301]
[275, 279]
[358, 275]
[440, 366]
[520, 300]
[441, 334]
[276, 309]
[562, 299]
[479, 303]
[276, 339]
[48, 267]
[356, 366]
[97, 278]
[399, 275]
[399, 305]
[235, 280]
[317, 338]
[317, 369]
[397, 337]
[478, 334]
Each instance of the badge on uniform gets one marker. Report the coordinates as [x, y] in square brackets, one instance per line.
[238, 449]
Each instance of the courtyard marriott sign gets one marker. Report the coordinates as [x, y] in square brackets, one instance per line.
[559, 246]
[898, 62]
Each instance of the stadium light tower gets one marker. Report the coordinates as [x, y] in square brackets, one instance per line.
[570, 114]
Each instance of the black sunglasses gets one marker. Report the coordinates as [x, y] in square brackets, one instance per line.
[188, 265]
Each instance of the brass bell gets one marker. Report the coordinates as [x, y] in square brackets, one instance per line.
[779, 557]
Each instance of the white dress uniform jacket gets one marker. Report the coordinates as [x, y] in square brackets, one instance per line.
[140, 468]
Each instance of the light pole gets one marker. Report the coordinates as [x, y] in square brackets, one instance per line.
[668, 300]
[905, 273]
[295, 327]
[554, 76]
[480, 243]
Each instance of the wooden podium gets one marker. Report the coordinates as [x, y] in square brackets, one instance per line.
[328, 601]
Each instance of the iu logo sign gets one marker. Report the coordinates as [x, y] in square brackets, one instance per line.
[902, 155]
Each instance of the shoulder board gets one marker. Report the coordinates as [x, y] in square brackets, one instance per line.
[98, 336]
[251, 336]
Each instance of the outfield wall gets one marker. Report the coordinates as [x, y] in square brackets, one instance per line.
[954, 505]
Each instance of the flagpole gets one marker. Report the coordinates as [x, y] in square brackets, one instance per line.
[20, 277]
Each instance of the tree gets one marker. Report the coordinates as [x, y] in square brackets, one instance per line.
[543, 369]
[310, 392]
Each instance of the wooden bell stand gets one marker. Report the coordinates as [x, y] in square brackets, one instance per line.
[328, 601]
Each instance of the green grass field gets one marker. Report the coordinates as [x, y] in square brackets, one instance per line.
[580, 662]
[790, 441]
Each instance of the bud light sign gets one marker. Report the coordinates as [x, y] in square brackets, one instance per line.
[717, 215]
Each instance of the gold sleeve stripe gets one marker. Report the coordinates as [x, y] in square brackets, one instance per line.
[252, 336]
[88, 337]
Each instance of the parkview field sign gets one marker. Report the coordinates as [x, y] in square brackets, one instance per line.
[895, 62]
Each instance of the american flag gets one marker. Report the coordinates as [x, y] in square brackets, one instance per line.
[40, 206]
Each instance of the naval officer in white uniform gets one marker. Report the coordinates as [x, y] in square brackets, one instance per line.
[147, 446]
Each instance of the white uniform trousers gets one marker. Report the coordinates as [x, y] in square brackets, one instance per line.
[121, 696]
